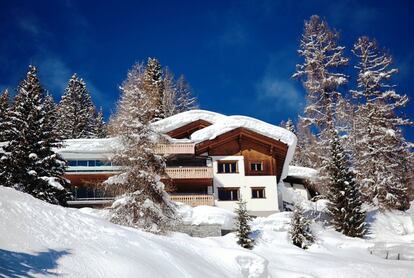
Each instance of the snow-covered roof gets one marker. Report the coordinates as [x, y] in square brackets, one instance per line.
[232, 122]
[302, 172]
[185, 118]
[98, 148]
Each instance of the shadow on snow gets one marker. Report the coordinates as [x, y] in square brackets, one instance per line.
[18, 264]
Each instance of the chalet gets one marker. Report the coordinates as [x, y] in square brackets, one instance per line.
[212, 159]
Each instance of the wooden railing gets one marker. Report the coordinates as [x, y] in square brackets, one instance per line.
[189, 172]
[182, 148]
[194, 200]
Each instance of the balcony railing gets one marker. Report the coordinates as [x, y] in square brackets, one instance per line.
[193, 199]
[189, 172]
[181, 148]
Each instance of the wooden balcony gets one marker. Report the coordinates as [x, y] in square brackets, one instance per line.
[194, 200]
[189, 172]
[181, 148]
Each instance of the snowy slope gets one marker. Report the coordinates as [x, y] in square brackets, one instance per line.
[47, 239]
[39, 239]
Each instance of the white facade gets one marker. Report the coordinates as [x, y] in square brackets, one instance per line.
[256, 206]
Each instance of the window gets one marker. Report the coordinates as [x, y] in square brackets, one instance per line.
[88, 163]
[82, 163]
[256, 166]
[227, 167]
[228, 194]
[258, 193]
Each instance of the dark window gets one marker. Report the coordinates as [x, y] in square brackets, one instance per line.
[82, 163]
[91, 163]
[227, 167]
[228, 194]
[256, 166]
[258, 193]
[99, 163]
[72, 162]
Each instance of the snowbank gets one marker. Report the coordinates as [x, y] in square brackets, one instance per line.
[207, 215]
[39, 239]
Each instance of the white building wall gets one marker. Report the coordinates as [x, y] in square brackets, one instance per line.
[264, 206]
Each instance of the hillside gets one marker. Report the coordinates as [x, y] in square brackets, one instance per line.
[39, 239]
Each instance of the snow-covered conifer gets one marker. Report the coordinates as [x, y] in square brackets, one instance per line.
[153, 88]
[306, 152]
[76, 112]
[243, 229]
[290, 126]
[185, 99]
[382, 154]
[131, 104]
[170, 94]
[29, 164]
[343, 193]
[143, 202]
[300, 231]
[320, 71]
[4, 115]
[101, 129]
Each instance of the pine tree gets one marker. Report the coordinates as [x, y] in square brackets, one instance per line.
[170, 94]
[344, 195]
[290, 126]
[153, 87]
[306, 153]
[243, 229]
[383, 159]
[101, 129]
[4, 115]
[76, 112]
[145, 204]
[185, 99]
[129, 111]
[300, 231]
[29, 164]
[323, 59]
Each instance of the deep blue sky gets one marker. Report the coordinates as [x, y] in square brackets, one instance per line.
[237, 55]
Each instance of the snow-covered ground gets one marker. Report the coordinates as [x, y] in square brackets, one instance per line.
[38, 239]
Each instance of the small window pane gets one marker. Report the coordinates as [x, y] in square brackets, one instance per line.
[227, 167]
[235, 195]
[72, 163]
[228, 194]
[258, 193]
[256, 166]
[82, 163]
[91, 163]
